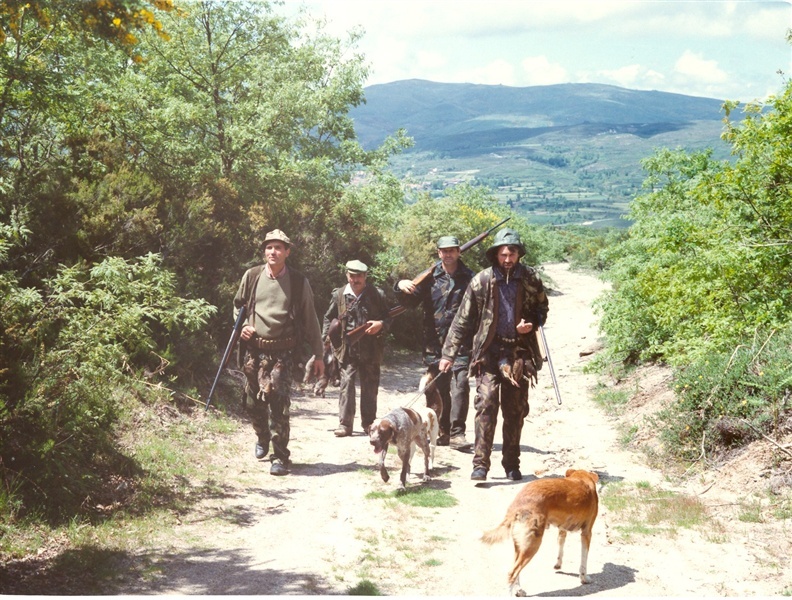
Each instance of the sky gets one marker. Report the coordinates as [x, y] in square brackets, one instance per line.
[712, 48]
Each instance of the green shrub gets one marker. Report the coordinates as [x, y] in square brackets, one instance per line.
[725, 398]
[94, 330]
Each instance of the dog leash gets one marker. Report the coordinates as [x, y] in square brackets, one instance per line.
[426, 389]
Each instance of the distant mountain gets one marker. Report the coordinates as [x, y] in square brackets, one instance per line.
[454, 117]
[557, 154]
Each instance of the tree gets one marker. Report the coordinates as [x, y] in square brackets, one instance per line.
[709, 255]
[242, 120]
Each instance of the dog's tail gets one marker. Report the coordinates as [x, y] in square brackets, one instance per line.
[426, 380]
[500, 533]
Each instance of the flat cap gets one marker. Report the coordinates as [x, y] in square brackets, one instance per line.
[447, 241]
[276, 235]
[355, 266]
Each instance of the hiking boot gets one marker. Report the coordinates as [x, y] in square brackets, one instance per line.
[514, 475]
[443, 440]
[343, 431]
[278, 468]
[259, 450]
[479, 474]
[459, 442]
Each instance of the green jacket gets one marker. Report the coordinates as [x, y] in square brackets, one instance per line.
[477, 315]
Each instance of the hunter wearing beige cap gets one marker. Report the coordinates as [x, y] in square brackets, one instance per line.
[280, 317]
[276, 235]
[357, 304]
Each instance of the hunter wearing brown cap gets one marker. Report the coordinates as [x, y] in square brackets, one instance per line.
[280, 317]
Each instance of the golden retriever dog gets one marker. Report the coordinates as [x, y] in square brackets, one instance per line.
[570, 503]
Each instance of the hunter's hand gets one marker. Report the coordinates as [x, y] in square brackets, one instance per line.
[318, 366]
[247, 332]
[445, 365]
[523, 327]
[407, 286]
[374, 327]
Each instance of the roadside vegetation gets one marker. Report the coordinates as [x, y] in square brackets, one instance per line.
[703, 284]
[138, 175]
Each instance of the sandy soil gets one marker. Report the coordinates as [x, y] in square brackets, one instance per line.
[316, 531]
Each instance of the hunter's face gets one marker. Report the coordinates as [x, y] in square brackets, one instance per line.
[448, 256]
[508, 257]
[357, 281]
[276, 253]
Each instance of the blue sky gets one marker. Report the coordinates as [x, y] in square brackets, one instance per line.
[712, 48]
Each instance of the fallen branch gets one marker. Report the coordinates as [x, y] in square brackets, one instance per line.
[768, 438]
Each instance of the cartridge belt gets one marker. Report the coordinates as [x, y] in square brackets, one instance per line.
[264, 344]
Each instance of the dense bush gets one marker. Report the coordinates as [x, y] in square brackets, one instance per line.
[729, 398]
[704, 283]
[80, 342]
[707, 257]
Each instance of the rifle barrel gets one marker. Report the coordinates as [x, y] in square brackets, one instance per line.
[550, 364]
[481, 236]
[227, 354]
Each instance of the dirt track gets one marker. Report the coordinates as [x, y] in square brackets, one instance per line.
[316, 532]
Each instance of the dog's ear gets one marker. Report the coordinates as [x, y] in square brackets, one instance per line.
[569, 472]
[594, 476]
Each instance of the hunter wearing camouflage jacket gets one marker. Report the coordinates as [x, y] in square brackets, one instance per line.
[479, 309]
[494, 303]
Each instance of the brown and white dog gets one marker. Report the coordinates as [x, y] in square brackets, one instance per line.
[428, 386]
[403, 427]
[569, 503]
[431, 425]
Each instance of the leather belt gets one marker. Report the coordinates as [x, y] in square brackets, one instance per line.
[505, 340]
[264, 344]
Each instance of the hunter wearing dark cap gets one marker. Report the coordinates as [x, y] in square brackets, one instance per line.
[440, 295]
[501, 311]
[355, 305]
[281, 315]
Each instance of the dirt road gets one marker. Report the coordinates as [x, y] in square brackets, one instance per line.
[316, 531]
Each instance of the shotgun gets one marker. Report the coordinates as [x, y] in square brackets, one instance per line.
[357, 333]
[240, 321]
[550, 364]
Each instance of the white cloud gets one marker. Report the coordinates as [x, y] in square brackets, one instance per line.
[632, 76]
[643, 44]
[430, 60]
[538, 70]
[497, 72]
[772, 21]
[694, 66]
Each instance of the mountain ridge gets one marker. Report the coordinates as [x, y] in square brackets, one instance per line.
[431, 111]
[557, 154]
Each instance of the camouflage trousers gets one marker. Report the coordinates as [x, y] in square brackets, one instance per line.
[369, 374]
[493, 392]
[267, 399]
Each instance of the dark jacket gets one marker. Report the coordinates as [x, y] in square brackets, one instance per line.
[440, 295]
[371, 307]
